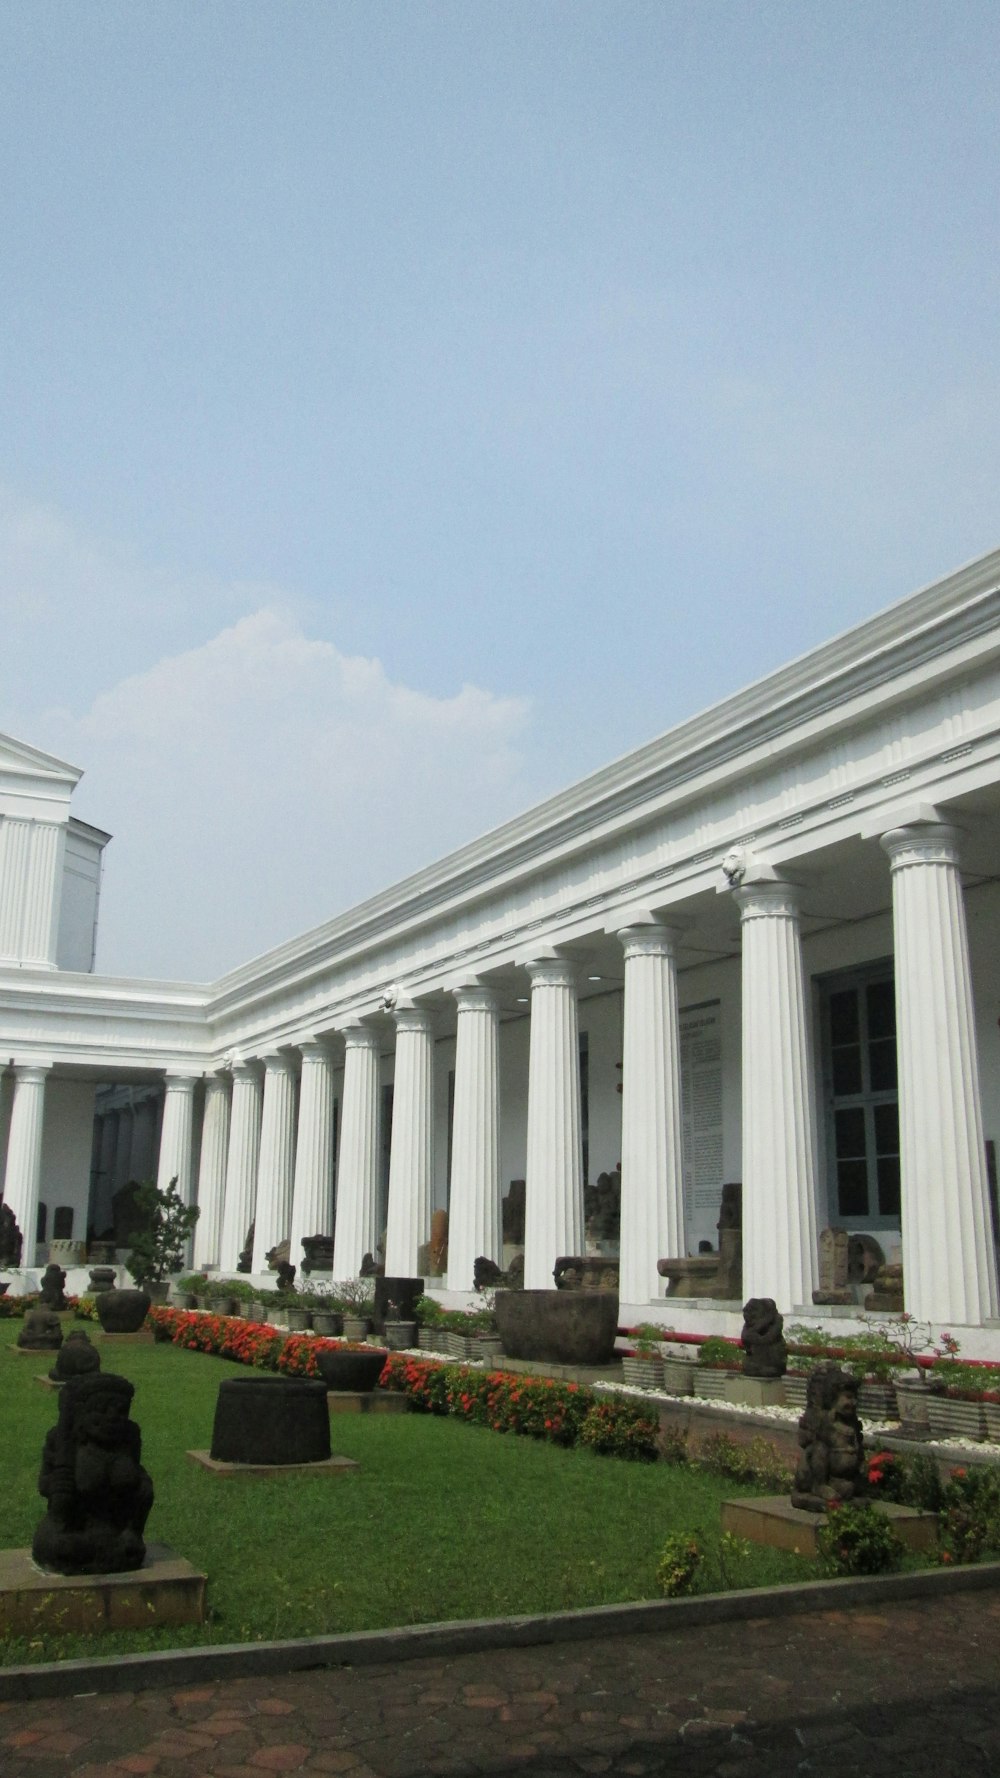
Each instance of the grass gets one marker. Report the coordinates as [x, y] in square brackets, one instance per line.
[442, 1520]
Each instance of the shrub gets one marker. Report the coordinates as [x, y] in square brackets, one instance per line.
[677, 1569]
[618, 1429]
[970, 1515]
[673, 1445]
[855, 1538]
[718, 1354]
[165, 1224]
[758, 1462]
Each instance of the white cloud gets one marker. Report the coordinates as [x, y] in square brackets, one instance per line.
[263, 782]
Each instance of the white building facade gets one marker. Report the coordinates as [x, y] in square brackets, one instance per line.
[762, 948]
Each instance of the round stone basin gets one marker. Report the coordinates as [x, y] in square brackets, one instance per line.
[122, 1311]
[558, 1326]
[357, 1372]
[271, 1420]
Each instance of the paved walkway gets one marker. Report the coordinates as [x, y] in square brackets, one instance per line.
[905, 1690]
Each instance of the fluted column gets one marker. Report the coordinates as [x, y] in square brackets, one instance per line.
[275, 1168]
[411, 1154]
[474, 1215]
[176, 1136]
[652, 1206]
[212, 1172]
[780, 1254]
[554, 1169]
[24, 1154]
[356, 1230]
[312, 1196]
[241, 1163]
[949, 1266]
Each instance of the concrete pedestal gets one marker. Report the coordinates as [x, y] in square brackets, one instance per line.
[370, 1401]
[774, 1521]
[144, 1336]
[755, 1392]
[166, 1590]
[326, 1466]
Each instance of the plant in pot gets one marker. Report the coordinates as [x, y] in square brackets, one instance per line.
[489, 1346]
[716, 1358]
[643, 1366]
[357, 1295]
[189, 1288]
[399, 1335]
[955, 1399]
[326, 1314]
[431, 1336]
[164, 1225]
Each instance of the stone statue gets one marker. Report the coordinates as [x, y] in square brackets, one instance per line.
[245, 1261]
[515, 1273]
[513, 1214]
[51, 1291]
[41, 1331]
[764, 1351]
[10, 1240]
[317, 1254]
[371, 1267]
[286, 1275]
[101, 1278]
[97, 1491]
[277, 1256]
[77, 1357]
[831, 1466]
[602, 1207]
[486, 1274]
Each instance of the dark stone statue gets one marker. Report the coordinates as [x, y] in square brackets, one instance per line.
[10, 1240]
[515, 1273]
[317, 1254]
[831, 1467]
[98, 1493]
[77, 1357]
[122, 1311]
[101, 1278]
[486, 1274]
[41, 1331]
[285, 1274]
[51, 1291]
[371, 1267]
[245, 1261]
[585, 1272]
[764, 1351]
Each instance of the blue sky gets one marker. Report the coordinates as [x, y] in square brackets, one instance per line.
[408, 408]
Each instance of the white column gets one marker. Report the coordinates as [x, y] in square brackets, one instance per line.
[474, 1215]
[123, 1149]
[276, 1165]
[652, 1212]
[312, 1196]
[553, 1223]
[411, 1154]
[24, 1155]
[104, 1184]
[241, 1163]
[176, 1136]
[212, 1172]
[144, 1145]
[356, 1230]
[780, 1252]
[949, 1266]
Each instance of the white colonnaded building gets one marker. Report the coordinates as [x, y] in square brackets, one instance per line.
[763, 948]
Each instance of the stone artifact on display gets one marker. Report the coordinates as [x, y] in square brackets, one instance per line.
[317, 1251]
[834, 1279]
[720, 1275]
[101, 1278]
[285, 1274]
[10, 1240]
[486, 1274]
[51, 1290]
[122, 1311]
[245, 1261]
[265, 1420]
[371, 1266]
[99, 1496]
[764, 1351]
[602, 1209]
[395, 1300]
[864, 1257]
[831, 1466]
[591, 1271]
[888, 1291]
[78, 1357]
[41, 1331]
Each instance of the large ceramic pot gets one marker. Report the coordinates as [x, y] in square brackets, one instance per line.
[271, 1420]
[355, 1371]
[122, 1311]
[558, 1326]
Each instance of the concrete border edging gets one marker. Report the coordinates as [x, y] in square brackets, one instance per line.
[243, 1660]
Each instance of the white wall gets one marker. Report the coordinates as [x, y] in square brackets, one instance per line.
[67, 1139]
[81, 883]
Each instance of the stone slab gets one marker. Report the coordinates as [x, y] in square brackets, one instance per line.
[774, 1521]
[370, 1401]
[755, 1392]
[143, 1337]
[328, 1466]
[165, 1591]
[48, 1353]
[570, 1373]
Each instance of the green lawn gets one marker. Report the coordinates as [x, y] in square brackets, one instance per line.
[442, 1520]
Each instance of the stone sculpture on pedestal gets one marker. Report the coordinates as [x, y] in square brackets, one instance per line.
[77, 1357]
[764, 1351]
[41, 1331]
[51, 1291]
[831, 1467]
[10, 1240]
[99, 1496]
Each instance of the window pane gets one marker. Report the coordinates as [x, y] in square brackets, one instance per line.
[888, 1185]
[852, 1188]
[881, 997]
[850, 1133]
[847, 1069]
[844, 1025]
[886, 1129]
[882, 1065]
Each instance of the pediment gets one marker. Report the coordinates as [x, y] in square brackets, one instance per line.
[20, 761]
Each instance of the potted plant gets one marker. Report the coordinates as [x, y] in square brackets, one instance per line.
[164, 1225]
[643, 1366]
[189, 1288]
[489, 1346]
[326, 1314]
[460, 1325]
[431, 1336]
[955, 1400]
[358, 1298]
[399, 1335]
[716, 1357]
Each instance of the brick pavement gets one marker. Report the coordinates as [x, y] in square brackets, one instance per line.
[893, 1692]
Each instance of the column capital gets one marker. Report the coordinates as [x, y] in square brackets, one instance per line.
[552, 972]
[278, 1062]
[33, 1073]
[413, 1018]
[475, 997]
[652, 940]
[244, 1068]
[358, 1036]
[313, 1049]
[177, 1082]
[768, 901]
[932, 842]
